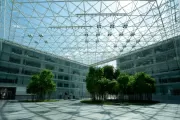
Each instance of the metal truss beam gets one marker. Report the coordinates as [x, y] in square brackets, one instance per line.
[59, 27]
[79, 1]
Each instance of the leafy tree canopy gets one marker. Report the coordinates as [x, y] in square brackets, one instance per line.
[108, 72]
[41, 84]
[103, 81]
[116, 74]
[144, 83]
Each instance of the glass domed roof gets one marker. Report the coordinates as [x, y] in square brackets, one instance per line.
[88, 31]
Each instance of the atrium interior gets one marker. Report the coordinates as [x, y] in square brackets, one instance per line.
[69, 36]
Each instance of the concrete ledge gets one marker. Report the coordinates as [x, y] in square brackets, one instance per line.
[2, 103]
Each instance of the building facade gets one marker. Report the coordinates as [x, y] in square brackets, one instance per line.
[161, 61]
[18, 63]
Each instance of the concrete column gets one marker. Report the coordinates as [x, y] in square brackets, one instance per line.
[42, 63]
[21, 62]
[0, 45]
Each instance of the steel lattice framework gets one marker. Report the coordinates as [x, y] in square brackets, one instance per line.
[88, 31]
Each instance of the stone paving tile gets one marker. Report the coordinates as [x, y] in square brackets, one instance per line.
[74, 110]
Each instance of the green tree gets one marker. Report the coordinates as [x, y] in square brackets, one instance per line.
[113, 88]
[116, 73]
[123, 80]
[144, 84]
[102, 85]
[91, 81]
[108, 72]
[32, 87]
[130, 85]
[41, 84]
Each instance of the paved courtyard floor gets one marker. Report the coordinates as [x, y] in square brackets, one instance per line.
[74, 110]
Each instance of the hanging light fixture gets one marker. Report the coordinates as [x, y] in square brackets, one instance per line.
[30, 35]
[121, 34]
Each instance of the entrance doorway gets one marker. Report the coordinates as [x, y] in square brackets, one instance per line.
[7, 93]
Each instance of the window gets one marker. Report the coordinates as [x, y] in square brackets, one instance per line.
[72, 85]
[66, 85]
[160, 58]
[6, 80]
[75, 72]
[61, 70]
[49, 59]
[127, 66]
[9, 70]
[14, 60]
[171, 55]
[66, 78]
[32, 63]
[126, 58]
[31, 54]
[67, 63]
[29, 72]
[178, 42]
[164, 47]
[50, 67]
[16, 50]
[146, 52]
[59, 84]
[60, 77]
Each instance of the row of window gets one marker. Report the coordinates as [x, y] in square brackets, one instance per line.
[47, 58]
[6, 80]
[32, 63]
[175, 92]
[63, 77]
[155, 69]
[169, 80]
[36, 64]
[16, 70]
[66, 85]
[14, 60]
[158, 49]
[9, 70]
[28, 72]
[165, 91]
[149, 61]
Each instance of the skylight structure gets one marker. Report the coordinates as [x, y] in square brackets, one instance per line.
[88, 31]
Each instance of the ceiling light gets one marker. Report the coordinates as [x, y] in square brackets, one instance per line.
[40, 35]
[115, 45]
[132, 34]
[86, 41]
[127, 40]
[121, 34]
[36, 42]
[99, 26]
[97, 41]
[97, 34]
[110, 34]
[86, 34]
[137, 41]
[30, 35]
[125, 25]
[112, 26]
